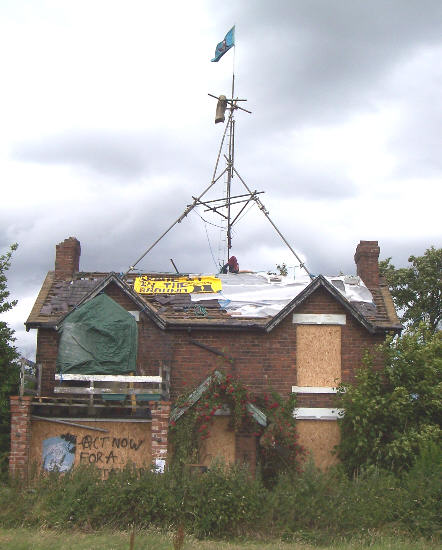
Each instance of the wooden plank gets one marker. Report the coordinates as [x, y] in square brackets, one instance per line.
[195, 395]
[107, 378]
[319, 319]
[257, 414]
[101, 391]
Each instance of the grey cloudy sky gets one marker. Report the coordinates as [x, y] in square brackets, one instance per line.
[107, 131]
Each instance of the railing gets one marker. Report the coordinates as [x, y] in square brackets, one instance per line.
[115, 387]
[30, 378]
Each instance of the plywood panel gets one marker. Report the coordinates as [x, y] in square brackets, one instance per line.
[63, 445]
[318, 355]
[319, 438]
[220, 444]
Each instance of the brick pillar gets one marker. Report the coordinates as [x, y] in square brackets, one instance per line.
[67, 258]
[160, 428]
[367, 262]
[20, 435]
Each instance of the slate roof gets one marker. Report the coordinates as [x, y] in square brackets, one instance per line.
[58, 297]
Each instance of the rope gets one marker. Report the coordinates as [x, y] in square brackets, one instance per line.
[206, 221]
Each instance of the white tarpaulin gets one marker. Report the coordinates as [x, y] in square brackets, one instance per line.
[263, 295]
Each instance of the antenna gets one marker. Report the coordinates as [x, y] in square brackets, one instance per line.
[223, 205]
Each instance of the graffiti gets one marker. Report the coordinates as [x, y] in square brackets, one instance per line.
[97, 458]
[103, 451]
[59, 452]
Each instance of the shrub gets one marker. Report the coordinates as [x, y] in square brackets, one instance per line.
[227, 501]
[390, 413]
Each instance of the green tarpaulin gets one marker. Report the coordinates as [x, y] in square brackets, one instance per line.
[100, 337]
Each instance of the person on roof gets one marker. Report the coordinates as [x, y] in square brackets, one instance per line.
[231, 266]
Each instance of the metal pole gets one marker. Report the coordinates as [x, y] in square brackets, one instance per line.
[190, 207]
[230, 167]
[178, 220]
[57, 421]
[266, 214]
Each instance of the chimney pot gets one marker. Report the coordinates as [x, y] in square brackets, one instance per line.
[367, 262]
[67, 258]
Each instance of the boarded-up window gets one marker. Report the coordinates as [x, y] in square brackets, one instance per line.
[221, 443]
[319, 437]
[318, 356]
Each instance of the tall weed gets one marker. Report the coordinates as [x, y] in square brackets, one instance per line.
[227, 501]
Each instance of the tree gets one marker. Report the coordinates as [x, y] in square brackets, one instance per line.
[391, 413]
[8, 358]
[417, 290]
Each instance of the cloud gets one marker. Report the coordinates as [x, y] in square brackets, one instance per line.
[109, 137]
[114, 154]
[320, 60]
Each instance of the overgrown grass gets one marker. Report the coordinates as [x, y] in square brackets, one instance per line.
[312, 507]
[32, 539]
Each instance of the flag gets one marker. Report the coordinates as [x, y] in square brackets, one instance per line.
[225, 45]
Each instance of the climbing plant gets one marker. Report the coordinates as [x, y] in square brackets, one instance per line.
[277, 441]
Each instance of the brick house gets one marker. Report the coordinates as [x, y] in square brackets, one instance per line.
[302, 337]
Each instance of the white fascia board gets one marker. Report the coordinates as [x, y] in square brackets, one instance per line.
[317, 413]
[135, 314]
[319, 319]
[313, 389]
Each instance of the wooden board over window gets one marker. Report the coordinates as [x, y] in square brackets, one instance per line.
[319, 438]
[318, 356]
[221, 443]
[62, 446]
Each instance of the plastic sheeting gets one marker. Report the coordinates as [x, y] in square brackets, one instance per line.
[263, 295]
[100, 337]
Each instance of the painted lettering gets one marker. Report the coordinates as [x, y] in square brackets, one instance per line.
[110, 456]
[86, 442]
[134, 446]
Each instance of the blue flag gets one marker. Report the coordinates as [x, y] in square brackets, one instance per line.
[225, 45]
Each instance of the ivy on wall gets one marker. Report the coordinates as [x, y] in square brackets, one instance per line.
[278, 445]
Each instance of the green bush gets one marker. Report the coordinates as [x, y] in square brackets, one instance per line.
[227, 501]
[391, 412]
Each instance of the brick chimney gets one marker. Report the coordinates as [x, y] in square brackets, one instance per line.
[367, 262]
[67, 258]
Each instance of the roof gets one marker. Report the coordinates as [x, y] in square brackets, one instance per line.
[249, 301]
[198, 392]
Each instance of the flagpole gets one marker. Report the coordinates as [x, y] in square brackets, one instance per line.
[231, 156]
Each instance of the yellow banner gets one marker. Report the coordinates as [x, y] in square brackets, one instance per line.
[177, 285]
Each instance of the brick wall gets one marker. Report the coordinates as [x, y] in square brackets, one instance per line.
[20, 435]
[367, 262]
[259, 359]
[265, 359]
[67, 258]
[47, 348]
